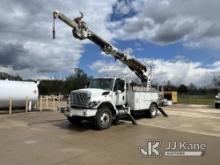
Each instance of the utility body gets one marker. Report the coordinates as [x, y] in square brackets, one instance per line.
[107, 100]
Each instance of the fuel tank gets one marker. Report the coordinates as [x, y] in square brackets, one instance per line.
[18, 91]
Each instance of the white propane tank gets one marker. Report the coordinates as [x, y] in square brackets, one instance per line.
[19, 91]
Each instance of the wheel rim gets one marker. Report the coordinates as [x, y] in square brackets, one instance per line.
[105, 118]
[153, 111]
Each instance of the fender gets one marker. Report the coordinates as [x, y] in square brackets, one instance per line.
[155, 104]
[110, 105]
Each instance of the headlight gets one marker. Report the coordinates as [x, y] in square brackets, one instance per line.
[105, 93]
[93, 103]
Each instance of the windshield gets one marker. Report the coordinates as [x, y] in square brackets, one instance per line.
[106, 84]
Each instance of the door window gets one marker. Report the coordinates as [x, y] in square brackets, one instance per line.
[119, 85]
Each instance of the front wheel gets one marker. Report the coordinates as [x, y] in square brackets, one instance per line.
[153, 111]
[217, 105]
[103, 118]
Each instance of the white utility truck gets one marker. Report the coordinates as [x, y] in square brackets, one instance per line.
[217, 101]
[107, 100]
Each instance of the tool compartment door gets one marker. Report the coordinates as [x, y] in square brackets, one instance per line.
[141, 100]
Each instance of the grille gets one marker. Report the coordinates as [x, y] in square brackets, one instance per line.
[79, 98]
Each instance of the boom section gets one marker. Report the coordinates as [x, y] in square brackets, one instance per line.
[81, 31]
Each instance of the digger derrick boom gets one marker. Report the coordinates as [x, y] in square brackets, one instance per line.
[81, 31]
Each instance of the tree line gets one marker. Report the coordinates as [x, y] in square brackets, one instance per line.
[75, 81]
[79, 79]
[4, 76]
[192, 89]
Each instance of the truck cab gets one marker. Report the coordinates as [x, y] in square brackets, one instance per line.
[111, 90]
[102, 93]
[105, 100]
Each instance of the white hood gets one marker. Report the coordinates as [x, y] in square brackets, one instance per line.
[93, 92]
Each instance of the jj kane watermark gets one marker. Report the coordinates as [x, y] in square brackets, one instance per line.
[153, 148]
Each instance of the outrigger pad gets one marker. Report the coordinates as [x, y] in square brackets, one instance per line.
[163, 112]
[128, 117]
[132, 119]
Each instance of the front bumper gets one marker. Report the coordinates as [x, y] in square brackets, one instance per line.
[70, 112]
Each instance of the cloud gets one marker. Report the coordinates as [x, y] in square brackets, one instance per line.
[124, 7]
[9, 53]
[173, 30]
[195, 23]
[178, 71]
[26, 45]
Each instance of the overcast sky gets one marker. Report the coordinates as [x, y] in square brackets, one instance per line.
[179, 38]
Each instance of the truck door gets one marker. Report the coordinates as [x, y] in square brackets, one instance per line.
[120, 92]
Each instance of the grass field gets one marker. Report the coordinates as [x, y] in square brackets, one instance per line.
[196, 99]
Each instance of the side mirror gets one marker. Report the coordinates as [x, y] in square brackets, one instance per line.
[87, 85]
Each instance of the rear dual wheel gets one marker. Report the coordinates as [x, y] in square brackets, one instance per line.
[153, 110]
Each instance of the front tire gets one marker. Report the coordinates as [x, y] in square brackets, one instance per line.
[153, 110]
[74, 120]
[103, 118]
[217, 105]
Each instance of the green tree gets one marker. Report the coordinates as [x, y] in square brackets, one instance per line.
[76, 81]
[182, 89]
[47, 87]
[169, 86]
[192, 89]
